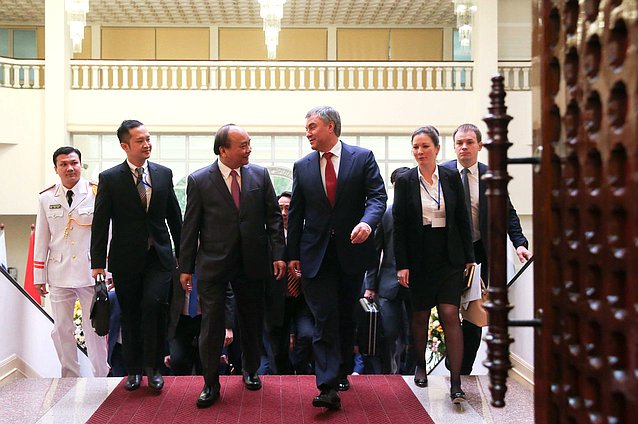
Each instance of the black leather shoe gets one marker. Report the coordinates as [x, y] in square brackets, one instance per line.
[343, 384]
[252, 381]
[457, 395]
[328, 398]
[420, 377]
[208, 396]
[155, 379]
[133, 382]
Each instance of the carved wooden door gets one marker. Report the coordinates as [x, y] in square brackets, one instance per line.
[585, 210]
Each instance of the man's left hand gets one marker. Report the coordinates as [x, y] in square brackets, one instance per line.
[279, 269]
[524, 255]
[360, 233]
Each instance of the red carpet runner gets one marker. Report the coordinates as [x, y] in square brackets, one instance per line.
[283, 399]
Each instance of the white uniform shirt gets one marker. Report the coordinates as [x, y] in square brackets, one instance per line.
[63, 236]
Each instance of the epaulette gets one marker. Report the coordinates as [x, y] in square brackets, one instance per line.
[93, 185]
[47, 189]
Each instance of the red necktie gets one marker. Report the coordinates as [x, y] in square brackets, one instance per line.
[234, 188]
[331, 178]
[293, 285]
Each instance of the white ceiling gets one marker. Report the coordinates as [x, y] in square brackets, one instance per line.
[245, 12]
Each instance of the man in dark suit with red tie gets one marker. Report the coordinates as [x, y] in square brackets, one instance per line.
[338, 198]
[232, 229]
[137, 199]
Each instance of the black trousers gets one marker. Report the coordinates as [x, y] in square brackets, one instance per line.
[472, 333]
[184, 347]
[249, 298]
[143, 297]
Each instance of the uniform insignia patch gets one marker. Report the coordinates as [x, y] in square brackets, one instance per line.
[56, 206]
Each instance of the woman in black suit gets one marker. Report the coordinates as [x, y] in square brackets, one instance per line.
[433, 247]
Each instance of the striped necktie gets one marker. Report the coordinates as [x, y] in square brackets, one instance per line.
[141, 189]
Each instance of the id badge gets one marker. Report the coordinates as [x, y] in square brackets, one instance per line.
[439, 219]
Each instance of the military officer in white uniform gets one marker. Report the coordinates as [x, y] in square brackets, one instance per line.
[61, 260]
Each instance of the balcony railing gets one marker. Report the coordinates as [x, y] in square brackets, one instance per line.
[290, 76]
[515, 75]
[218, 75]
[20, 73]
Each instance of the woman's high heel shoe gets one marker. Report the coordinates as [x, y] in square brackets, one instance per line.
[457, 395]
[420, 376]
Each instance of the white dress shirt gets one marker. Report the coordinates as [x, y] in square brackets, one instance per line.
[146, 178]
[430, 197]
[228, 179]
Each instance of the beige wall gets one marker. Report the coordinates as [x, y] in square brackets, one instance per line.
[17, 230]
[363, 44]
[303, 44]
[86, 45]
[128, 43]
[182, 43]
[242, 44]
[425, 44]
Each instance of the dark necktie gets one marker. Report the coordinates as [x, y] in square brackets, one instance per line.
[234, 188]
[468, 197]
[141, 190]
[331, 178]
[192, 300]
[69, 197]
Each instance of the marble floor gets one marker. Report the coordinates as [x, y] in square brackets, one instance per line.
[70, 400]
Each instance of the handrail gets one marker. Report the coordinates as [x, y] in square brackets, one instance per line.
[36, 304]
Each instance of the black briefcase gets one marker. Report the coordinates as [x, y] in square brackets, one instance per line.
[100, 310]
[368, 327]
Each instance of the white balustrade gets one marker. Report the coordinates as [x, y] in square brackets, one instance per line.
[226, 75]
[516, 75]
[18, 73]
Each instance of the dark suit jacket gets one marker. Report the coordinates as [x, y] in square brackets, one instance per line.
[383, 278]
[215, 231]
[514, 229]
[117, 203]
[408, 221]
[360, 196]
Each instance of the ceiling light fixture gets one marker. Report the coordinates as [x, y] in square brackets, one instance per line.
[271, 11]
[76, 11]
[464, 11]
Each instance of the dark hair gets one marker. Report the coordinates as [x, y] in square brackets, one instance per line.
[396, 172]
[123, 131]
[466, 128]
[327, 114]
[66, 150]
[221, 138]
[428, 130]
[285, 194]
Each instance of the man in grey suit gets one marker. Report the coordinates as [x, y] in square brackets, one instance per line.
[232, 229]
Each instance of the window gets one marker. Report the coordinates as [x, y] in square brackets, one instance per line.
[187, 153]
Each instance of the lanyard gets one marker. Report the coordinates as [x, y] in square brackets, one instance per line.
[438, 202]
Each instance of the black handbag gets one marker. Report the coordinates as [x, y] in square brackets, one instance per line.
[100, 310]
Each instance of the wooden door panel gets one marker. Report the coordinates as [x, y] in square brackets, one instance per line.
[586, 210]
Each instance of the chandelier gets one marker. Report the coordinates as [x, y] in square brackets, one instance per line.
[271, 11]
[464, 11]
[76, 11]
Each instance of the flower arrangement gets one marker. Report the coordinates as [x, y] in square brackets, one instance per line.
[77, 320]
[435, 349]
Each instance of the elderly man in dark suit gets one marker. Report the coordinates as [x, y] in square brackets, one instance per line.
[137, 199]
[338, 197]
[467, 144]
[232, 220]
